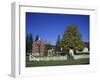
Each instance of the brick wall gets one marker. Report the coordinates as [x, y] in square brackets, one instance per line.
[38, 47]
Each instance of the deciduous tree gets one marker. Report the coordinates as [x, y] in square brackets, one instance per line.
[72, 39]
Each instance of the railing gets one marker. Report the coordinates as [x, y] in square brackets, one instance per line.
[54, 58]
[50, 58]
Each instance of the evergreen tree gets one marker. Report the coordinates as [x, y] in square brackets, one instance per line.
[37, 38]
[58, 44]
[29, 42]
[72, 39]
[27, 38]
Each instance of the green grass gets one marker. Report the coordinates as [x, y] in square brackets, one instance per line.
[70, 61]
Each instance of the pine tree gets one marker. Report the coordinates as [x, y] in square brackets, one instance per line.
[27, 38]
[37, 37]
[58, 45]
[29, 42]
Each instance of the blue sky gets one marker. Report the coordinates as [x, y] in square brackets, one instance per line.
[48, 26]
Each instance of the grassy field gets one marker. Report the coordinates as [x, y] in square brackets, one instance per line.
[70, 61]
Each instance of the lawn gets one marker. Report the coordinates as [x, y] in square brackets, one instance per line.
[70, 61]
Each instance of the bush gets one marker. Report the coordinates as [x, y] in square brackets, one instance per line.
[63, 53]
[81, 53]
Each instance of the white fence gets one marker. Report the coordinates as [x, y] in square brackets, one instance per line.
[54, 58]
[81, 56]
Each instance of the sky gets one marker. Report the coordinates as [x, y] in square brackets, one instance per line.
[48, 25]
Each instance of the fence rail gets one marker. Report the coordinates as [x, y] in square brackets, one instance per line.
[54, 58]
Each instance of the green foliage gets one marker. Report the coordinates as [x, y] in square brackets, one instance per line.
[29, 42]
[27, 38]
[72, 39]
[58, 44]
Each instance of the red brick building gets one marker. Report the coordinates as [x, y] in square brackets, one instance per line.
[38, 47]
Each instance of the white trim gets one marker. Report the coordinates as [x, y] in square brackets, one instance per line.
[15, 40]
[18, 39]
